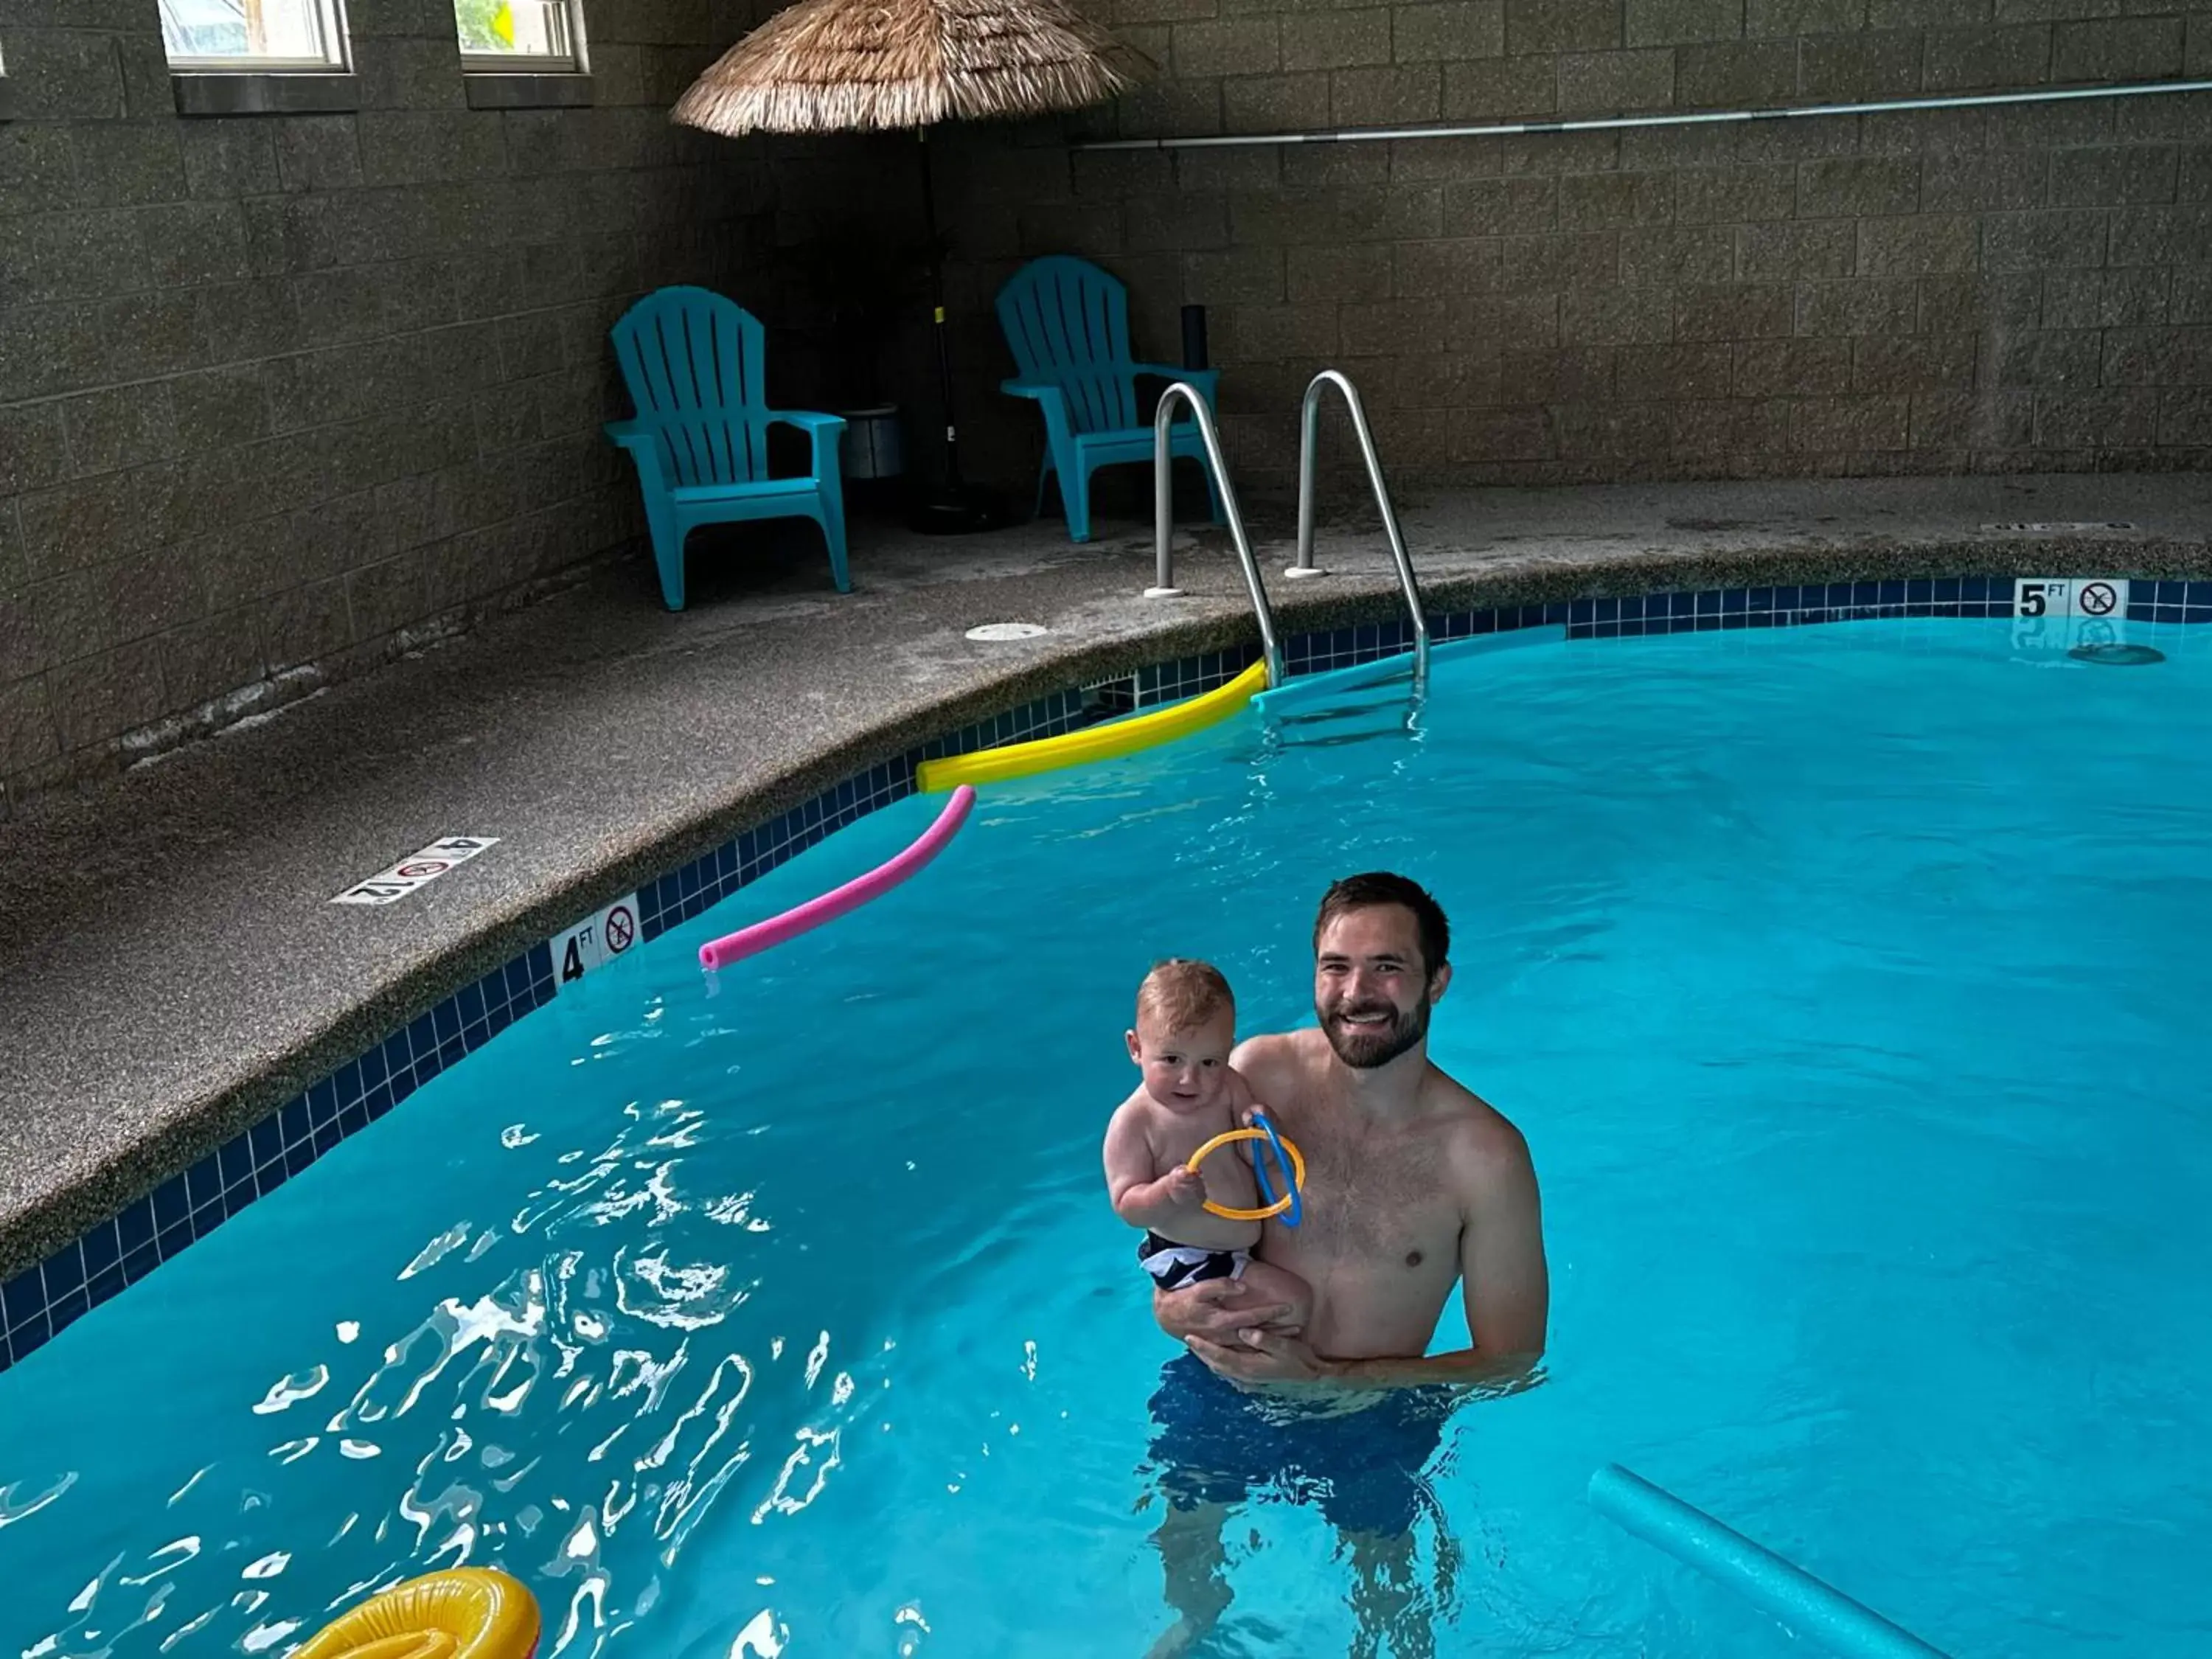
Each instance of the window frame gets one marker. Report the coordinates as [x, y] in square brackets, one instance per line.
[337, 59]
[575, 61]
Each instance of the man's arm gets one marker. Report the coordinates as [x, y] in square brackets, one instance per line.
[1504, 1281]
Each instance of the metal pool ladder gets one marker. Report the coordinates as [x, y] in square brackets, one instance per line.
[1310, 431]
[1164, 504]
[1310, 425]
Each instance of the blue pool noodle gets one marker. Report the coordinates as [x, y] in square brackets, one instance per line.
[1759, 1575]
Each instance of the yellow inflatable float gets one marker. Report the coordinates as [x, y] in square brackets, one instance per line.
[462, 1612]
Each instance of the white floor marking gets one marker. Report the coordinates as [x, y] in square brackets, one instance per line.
[417, 869]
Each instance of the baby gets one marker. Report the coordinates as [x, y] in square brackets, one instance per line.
[1186, 1026]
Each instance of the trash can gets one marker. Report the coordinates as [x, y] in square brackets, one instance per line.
[874, 445]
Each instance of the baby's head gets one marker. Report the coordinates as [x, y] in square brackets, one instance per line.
[1186, 1026]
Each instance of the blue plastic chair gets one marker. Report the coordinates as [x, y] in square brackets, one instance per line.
[692, 362]
[1067, 323]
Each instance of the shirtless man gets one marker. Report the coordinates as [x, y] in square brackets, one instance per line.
[1412, 1184]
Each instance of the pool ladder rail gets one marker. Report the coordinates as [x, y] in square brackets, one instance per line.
[1310, 432]
[1163, 516]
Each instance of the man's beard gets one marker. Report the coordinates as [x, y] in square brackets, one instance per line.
[1367, 1048]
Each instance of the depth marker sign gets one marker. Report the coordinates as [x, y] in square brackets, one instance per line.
[417, 869]
[2062, 597]
[2059, 613]
[595, 941]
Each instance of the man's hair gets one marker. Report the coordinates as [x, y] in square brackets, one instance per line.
[1380, 887]
[1182, 994]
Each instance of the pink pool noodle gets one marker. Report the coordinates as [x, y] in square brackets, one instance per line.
[735, 947]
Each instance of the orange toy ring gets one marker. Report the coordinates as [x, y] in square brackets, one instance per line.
[1229, 1138]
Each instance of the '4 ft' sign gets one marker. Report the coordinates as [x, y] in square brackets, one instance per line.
[595, 941]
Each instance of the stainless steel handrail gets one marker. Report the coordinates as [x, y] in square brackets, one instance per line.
[1163, 516]
[1309, 430]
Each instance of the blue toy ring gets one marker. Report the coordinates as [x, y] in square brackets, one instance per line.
[1296, 1213]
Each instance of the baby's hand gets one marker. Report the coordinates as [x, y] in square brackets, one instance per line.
[1184, 1186]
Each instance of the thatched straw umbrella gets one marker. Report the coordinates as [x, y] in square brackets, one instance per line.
[859, 65]
[868, 65]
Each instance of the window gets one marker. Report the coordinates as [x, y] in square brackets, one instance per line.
[253, 34]
[506, 36]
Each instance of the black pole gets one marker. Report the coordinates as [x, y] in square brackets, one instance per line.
[951, 508]
[1194, 336]
[953, 481]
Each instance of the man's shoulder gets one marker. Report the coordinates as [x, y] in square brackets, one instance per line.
[1483, 1142]
[1273, 1053]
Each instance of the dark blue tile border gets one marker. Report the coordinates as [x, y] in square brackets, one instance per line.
[1349, 647]
[1799, 605]
[1716, 610]
[38, 1303]
[2170, 601]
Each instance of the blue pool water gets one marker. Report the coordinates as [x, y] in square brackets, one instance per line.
[1848, 983]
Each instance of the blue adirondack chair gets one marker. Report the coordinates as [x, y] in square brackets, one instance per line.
[1067, 323]
[692, 360]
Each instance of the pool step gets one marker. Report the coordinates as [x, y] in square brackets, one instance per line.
[1380, 710]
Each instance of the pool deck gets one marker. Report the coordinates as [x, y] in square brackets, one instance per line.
[173, 968]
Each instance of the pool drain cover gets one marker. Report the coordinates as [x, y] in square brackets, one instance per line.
[2118, 656]
[1006, 631]
[2045, 527]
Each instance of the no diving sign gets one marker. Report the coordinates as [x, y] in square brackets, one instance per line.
[417, 869]
[595, 941]
[2061, 612]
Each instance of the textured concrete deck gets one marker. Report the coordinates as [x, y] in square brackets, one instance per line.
[172, 967]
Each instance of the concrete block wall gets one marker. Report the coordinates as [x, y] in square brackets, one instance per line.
[281, 396]
[1994, 290]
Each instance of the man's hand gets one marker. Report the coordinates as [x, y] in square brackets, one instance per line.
[1258, 1356]
[1215, 1310]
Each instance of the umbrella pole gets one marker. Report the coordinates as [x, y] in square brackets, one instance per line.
[953, 479]
[952, 508]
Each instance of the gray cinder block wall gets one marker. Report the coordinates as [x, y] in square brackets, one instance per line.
[281, 396]
[1989, 290]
